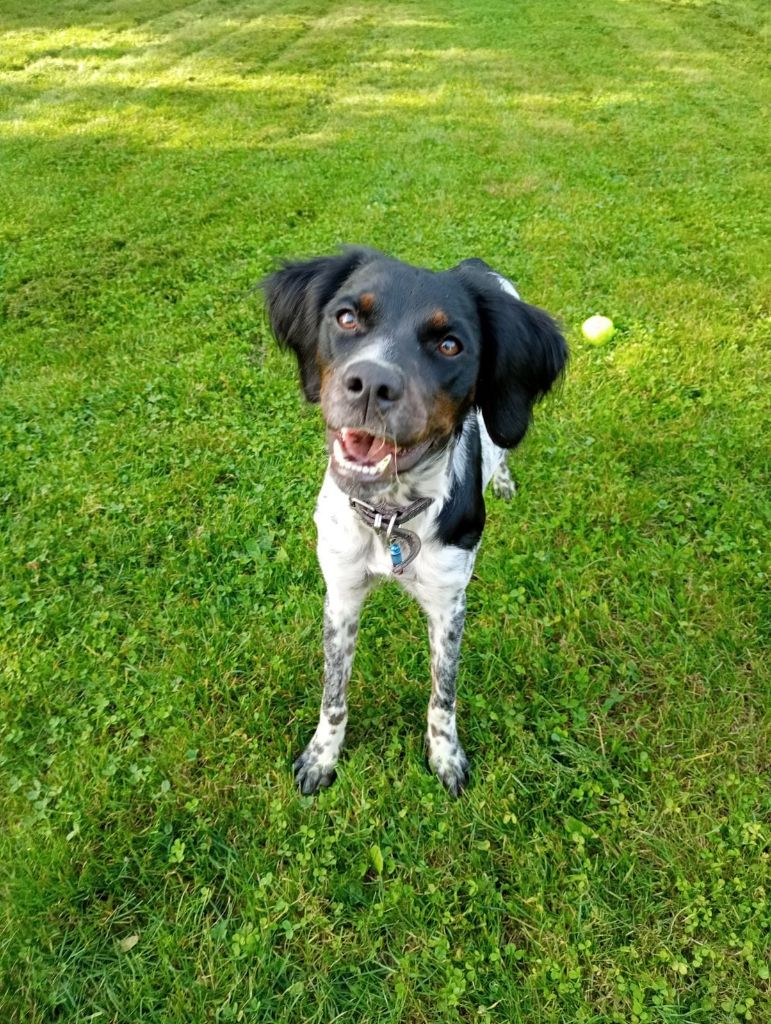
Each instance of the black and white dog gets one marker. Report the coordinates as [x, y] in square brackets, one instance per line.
[425, 379]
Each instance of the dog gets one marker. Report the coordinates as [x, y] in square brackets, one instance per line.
[426, 379]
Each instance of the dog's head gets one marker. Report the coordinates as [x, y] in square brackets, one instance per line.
[397, 355]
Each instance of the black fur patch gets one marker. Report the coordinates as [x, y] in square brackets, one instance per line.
[462, 518]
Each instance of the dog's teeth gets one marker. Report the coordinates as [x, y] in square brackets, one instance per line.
[350, 466]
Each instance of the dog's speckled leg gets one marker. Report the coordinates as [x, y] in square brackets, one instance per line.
[445, 755]
[315, 767]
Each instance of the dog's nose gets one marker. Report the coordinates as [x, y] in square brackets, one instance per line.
[374, 383]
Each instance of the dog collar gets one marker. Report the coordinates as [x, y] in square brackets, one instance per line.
[390, 518]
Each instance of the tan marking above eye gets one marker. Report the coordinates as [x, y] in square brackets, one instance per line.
[438, 320]
[366, 303]
[347, 319]
[450, 347]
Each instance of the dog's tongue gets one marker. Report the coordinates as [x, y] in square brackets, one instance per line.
[364, 447]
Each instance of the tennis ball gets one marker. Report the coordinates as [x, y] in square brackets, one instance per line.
[598, 329]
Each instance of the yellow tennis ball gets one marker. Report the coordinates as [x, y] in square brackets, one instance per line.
[598, 329]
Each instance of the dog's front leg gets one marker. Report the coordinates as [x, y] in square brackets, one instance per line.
[446, 756]
[315, 767]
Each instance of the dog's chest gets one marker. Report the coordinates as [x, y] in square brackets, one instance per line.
[349, 550]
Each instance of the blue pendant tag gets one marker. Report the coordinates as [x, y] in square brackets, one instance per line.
[396, 554]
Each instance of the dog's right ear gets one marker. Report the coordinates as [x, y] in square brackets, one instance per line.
[523, 353]
[296, 296]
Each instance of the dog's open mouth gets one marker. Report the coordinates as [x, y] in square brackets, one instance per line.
[363, 456]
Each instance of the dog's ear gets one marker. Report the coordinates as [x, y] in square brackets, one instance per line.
[523, 353]
[296, 296]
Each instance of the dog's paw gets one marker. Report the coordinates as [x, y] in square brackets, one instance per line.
[311, 774]
[449, 764]
[504, 489]
[504, 485]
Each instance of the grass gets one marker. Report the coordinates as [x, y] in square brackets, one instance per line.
[160, 604]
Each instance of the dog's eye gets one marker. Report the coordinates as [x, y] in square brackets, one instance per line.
[347, 319]
[450, 347]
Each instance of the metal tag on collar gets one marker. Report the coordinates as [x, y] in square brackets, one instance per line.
[394, 547]
[396, 556]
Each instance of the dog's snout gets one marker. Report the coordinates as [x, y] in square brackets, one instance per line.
[374, 383]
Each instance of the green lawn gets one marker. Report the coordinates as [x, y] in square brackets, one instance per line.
[160, 605]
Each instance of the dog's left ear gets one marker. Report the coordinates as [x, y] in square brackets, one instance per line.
[523, 353]
[296, 296]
